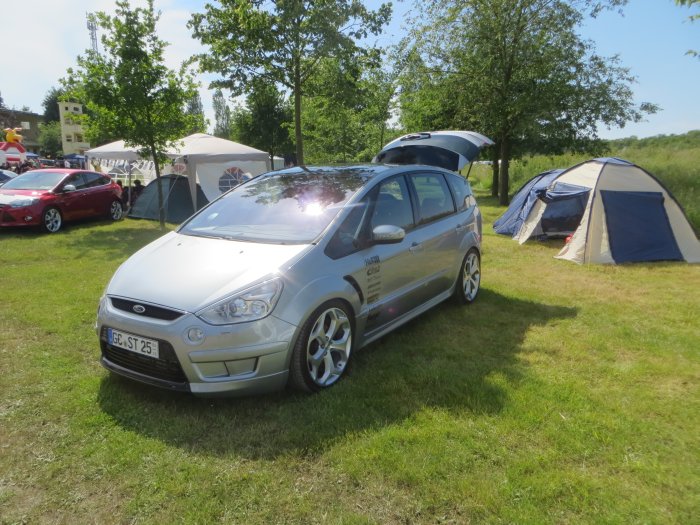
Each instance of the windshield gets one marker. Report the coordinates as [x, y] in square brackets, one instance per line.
[283, 208]
[34, 180]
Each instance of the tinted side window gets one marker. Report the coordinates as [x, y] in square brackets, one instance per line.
[434, 197]
[348, 237]
[461, 190]
[77, 180]
[94, 179]
[393, 205]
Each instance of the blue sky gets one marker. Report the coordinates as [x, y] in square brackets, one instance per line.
[651, 39]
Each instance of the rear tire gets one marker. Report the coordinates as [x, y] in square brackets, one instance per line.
[51, 220]
[469, 280]
[323, 349]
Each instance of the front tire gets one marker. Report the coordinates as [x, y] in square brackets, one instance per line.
[51, 220]
[323, 348]
[116, 210]
[469, 280]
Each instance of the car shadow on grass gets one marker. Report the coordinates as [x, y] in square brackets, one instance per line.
[453, 358]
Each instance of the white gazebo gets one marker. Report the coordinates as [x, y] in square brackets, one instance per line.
[217, 164]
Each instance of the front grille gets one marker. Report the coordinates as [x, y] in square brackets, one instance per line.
[156, 312]
[166, 367]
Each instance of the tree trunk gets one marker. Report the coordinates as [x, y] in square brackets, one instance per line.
[272, 160]
[161, 204]
[494, 169]
[297, 115]
[503, 175]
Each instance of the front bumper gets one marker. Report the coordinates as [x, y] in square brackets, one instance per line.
[12, 217]
[235, 359]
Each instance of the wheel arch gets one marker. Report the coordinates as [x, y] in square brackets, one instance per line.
[305, 301]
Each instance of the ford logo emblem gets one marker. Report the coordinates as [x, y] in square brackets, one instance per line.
[138, 308]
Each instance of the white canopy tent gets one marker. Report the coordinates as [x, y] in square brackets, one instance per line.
[216, 163]
[116, 150]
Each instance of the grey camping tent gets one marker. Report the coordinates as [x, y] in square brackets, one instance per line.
[176, 196]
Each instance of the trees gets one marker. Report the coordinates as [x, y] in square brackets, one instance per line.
[50, 138]
[195, 109]
[50, 104]
[264, 122]
[281, 43]
[517, 71]
[222, 115]
[128, 89]
[347, 105]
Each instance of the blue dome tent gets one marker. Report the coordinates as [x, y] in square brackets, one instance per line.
[617, 212]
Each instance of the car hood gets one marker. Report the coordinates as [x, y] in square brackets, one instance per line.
[188, 273]
[9, 196]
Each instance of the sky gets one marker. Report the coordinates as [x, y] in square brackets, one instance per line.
[651, 39]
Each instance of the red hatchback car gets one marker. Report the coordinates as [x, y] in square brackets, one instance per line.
[48, 197]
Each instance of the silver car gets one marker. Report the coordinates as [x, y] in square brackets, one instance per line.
[282, 279]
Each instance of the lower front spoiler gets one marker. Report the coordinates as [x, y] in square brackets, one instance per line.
[241, 387]
[161, 383]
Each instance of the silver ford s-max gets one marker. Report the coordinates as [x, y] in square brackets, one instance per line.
[283, 278]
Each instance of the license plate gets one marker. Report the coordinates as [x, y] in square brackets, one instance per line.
[133, 343]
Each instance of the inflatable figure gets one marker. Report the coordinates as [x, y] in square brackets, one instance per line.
[12, 135]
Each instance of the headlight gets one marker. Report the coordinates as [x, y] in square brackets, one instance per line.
[249, 305]
[22, 203]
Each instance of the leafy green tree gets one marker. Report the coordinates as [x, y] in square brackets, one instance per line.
[2, 102]
[265, 121]
[281, 42]
[346, 108]
[518, 71]
[50, 104]
[222, 115]
[50, 139]
[128, 89]
[195, 109]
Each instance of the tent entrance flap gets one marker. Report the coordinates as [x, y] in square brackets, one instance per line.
[638, 227]
[565, 206]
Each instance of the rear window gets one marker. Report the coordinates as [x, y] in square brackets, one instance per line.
[427, 155]
[461, 190]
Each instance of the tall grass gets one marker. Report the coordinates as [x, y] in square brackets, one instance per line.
[674, 160]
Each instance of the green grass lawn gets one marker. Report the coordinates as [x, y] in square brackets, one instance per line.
[565, 394]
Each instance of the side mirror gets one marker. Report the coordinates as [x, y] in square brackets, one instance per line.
[68, 187]
[388, 234]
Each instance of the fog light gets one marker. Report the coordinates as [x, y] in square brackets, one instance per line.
[28, 218]
[194, 335]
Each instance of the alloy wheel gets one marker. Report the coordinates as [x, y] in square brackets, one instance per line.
[471, 276]
[328, 346]
[52, 220]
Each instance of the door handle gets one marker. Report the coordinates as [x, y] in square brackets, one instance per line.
[460, 228]
[416, 247]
